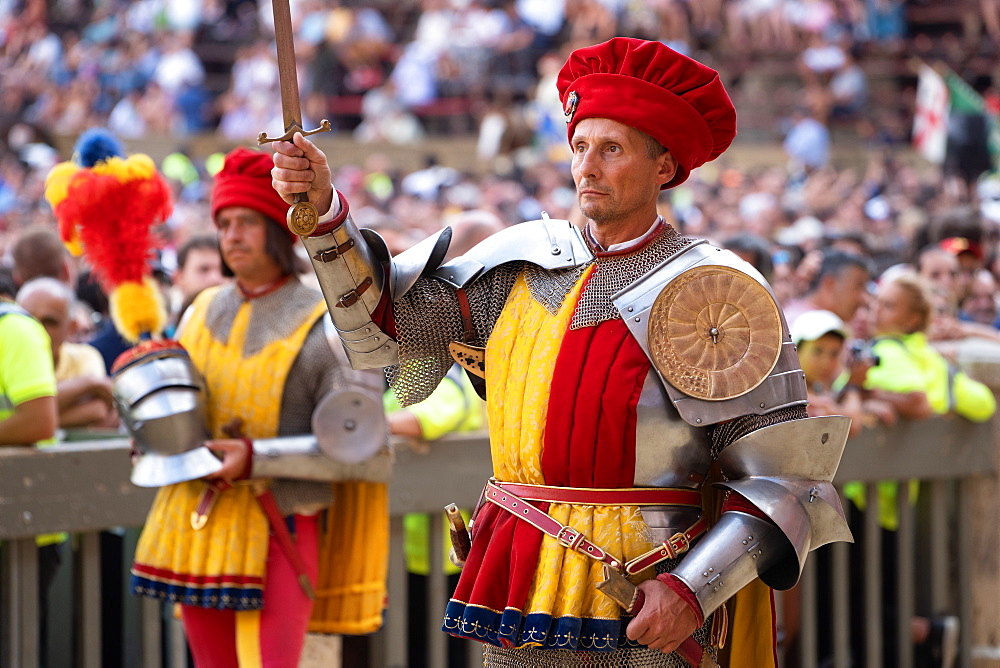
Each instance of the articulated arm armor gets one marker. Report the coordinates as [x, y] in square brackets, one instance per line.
[349, 265]
[348, 429]
[355, 271]
[792, 487]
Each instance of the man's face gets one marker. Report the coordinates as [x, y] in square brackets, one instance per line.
[615, 178]
[820, 359]
[941, 269]
[202, 269]
[243, 241]
[53, 312]
[980, 305]
[851, 291]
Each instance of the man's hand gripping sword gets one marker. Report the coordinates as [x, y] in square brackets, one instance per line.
[303, 217]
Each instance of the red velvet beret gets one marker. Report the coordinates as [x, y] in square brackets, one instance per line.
[245, 180]
[650, 87]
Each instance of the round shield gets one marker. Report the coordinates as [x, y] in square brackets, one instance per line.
[349, 426]
[714, 332]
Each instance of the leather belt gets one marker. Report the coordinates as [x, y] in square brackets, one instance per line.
[505, 495]
[583, 496]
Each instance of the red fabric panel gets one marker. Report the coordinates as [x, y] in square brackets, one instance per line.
[590, 428]
[507, 549]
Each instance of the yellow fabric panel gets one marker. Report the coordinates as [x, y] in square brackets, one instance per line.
[564, 584]
[520, 358]
[233, 542]
[246, 387]
[248, 639]
[751, 630]
[354, 561]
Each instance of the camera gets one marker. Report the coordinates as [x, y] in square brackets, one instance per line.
[861, 351]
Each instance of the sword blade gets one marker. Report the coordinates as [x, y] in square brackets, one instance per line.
[287, 78]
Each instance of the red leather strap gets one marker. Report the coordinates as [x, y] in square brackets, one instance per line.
[674, 546]
[738, 503]
[631, 496]
[567, 536]
[506, 496]
[280, 531]
[468, 328]
[327, 227]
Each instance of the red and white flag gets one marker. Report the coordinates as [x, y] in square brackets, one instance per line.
[930, 120]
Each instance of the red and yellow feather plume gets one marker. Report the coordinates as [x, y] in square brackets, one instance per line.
[107, 206]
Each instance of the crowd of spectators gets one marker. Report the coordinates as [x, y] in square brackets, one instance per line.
[180, 67]
[824, 234]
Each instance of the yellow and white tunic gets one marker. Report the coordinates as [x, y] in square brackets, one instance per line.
[249, 352]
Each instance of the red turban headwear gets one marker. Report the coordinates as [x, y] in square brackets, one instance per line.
[652, 88]
[245, 180]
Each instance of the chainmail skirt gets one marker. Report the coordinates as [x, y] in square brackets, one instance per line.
[623, 657]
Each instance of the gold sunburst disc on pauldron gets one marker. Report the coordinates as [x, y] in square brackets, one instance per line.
[714, 333]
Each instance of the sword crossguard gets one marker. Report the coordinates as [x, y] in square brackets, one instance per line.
[324, 126]
[303, 217]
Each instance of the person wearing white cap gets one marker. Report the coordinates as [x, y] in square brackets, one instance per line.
[820, 336]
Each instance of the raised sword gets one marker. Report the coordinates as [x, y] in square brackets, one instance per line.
[303, 217]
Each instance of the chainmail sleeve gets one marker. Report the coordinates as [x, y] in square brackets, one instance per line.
[428, 318]
[314, 373]
[723, 434]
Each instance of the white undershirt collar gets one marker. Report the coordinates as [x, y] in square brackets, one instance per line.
[624, 245]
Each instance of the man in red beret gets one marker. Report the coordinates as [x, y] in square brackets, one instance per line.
[625, 368]
[240, 551]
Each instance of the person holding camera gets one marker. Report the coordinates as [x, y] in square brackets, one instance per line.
[820, 337]
[919, 382]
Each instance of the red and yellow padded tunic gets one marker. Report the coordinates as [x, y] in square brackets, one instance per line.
[562, 412]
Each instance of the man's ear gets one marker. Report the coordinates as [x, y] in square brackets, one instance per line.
[667, 167]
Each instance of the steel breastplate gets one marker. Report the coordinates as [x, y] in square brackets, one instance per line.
[669, 452]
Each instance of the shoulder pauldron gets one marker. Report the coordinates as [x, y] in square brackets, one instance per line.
[548, 243]
[712, 328]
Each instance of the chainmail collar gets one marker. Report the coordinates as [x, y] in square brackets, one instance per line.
[616, 270]
[276, 314]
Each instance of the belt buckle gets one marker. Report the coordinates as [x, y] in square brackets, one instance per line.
[678, 544]
[569, 537]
